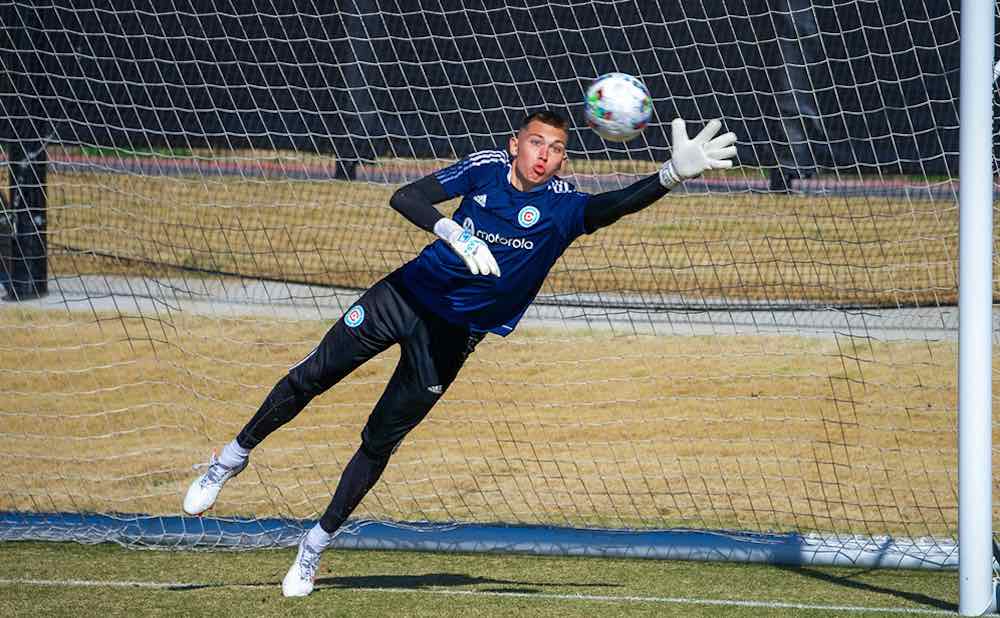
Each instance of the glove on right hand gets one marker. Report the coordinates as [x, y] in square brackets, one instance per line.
[474, 252]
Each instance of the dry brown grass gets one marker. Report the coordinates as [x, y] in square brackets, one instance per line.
[757, 433]
[737, 247]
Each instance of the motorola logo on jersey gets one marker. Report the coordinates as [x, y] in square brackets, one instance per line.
[497, 239]
[528, 216]
[354, 316]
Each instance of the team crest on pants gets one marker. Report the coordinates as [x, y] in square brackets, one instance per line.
[354, 316]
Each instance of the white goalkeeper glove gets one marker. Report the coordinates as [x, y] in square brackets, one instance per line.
[691, 157]
[473, 251]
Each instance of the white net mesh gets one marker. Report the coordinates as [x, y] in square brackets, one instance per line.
[738, 356]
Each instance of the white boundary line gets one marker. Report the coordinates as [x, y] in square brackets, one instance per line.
[489, 593]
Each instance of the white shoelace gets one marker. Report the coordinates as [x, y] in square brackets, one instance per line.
[216, 472]
[308, 562]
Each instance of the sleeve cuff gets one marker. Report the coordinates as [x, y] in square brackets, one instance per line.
[668, 176]
[446, 227]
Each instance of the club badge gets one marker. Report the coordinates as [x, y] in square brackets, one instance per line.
[354, 316]
[528, 216]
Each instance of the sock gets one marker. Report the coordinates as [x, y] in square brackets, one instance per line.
[233, 455]
[317, 538]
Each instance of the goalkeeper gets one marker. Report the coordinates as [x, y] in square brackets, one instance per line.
[515, 219]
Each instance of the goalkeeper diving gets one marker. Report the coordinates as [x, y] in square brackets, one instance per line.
[515, 219]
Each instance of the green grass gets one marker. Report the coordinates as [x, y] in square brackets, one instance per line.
[361, 583]
[109, 151]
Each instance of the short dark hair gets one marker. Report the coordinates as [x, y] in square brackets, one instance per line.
[547, 116]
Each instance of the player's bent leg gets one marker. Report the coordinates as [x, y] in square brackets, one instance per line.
[431, 357]
[360, 475]
[281, 405]
[422, 376]
[394, 416]
[347, 344]
[379, 439]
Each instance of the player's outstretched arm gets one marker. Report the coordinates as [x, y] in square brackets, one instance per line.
[416, 201]
[690, 158]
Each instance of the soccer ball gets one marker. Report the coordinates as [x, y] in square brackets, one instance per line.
[618, 106]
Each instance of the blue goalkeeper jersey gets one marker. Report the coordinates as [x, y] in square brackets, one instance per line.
[525, 231]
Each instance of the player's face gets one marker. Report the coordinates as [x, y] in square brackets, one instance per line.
[539, 151]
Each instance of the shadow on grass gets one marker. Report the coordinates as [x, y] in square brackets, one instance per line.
[410, 582]
[849, 581]
[443, 580]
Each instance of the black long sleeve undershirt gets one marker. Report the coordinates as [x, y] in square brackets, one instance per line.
[416, 201]
[604, 209]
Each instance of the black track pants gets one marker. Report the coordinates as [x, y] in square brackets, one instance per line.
[432, 352]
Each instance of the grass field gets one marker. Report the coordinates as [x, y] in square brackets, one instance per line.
[72, 580]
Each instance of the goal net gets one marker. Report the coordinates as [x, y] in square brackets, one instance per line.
[766, 351]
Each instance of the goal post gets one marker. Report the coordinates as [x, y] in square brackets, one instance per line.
[762, 367]
[977, 589]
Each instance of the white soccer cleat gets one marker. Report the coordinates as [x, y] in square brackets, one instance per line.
[205, 489]
[299, 580]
